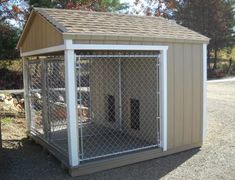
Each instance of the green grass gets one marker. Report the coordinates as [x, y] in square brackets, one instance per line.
[7, 120]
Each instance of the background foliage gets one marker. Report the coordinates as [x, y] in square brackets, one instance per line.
[212, 18]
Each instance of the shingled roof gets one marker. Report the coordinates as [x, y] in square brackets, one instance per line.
[99, 23]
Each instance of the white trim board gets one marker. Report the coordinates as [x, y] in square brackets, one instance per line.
[71, 98]
[118, 47]
[68, 45]
[204, 131]
[43, 51]
[163, 99]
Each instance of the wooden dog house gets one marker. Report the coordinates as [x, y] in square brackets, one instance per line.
[105, 90]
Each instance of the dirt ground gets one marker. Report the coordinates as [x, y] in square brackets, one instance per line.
[23, 159]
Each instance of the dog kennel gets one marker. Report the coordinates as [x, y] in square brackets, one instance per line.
[105, 90]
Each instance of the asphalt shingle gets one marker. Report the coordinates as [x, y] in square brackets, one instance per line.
[100, 23]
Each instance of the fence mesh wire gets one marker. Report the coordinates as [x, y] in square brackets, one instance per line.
[118, 106]
[35, 94]
[57, 118]
[118, 103]
[47, 101]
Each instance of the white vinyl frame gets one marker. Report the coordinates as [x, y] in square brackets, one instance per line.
[71, 99]
[71, 94]
[26, 94]
[204, 132]
[163, 99]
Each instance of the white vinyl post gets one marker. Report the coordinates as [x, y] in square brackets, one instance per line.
[71, 99]
[26, 94]
[204, 92]
[163, 99]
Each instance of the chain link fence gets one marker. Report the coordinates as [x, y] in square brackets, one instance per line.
[118, 109]
[35, 94]
[118, 103]
[46, 81]
[56, 103]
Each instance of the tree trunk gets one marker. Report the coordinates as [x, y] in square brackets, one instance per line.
[215, 60]
[230, 64]
[208, 60]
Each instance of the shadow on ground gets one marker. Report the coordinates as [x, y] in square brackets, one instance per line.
[28, 160]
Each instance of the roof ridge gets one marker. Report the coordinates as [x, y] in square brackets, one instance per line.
[105, 13]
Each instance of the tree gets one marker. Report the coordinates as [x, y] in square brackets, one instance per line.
[212, 18]
[164, 8]
[13, 14]
[93, 5]
[13, 11]
[8, 38]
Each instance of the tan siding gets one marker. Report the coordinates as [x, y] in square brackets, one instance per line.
[196, 125]
[188, 96]
[178, 101]
[170, 85]
[41, 35]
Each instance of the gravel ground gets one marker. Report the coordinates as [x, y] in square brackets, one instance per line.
[22, 159]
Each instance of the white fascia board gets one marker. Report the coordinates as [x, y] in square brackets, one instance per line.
[204, 131]
[117, 47]
[43, 51]
[69, 45]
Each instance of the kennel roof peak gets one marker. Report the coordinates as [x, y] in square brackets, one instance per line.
[76, 22]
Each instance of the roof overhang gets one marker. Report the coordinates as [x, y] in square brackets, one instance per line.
[76, 36]
[129, 38]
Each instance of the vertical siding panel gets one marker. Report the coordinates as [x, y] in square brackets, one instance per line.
[188, 96]
[178, 53]
[32, 38]
[170, 99]
[38, 40]
[41, 35]
[43, 26]
[196, 94]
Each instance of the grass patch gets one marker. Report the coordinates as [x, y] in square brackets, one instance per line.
[7, 120]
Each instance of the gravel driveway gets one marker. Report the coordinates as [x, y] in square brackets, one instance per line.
[22, 159]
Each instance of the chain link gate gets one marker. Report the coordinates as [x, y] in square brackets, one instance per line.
[35, 96]
[118, 103]
[46, 79]
[56, 104]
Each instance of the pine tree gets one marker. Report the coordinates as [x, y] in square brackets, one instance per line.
[212, 18]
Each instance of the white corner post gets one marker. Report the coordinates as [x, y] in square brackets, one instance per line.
[204, 132]
[163, 99]
[71, 99]
[26, 94]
